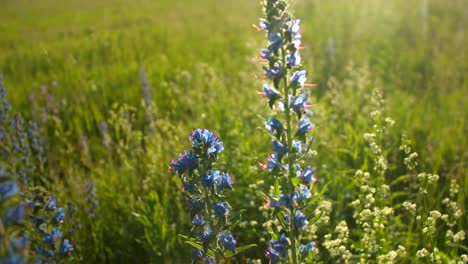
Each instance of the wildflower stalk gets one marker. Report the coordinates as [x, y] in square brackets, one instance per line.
[203, 187]
[292, 193]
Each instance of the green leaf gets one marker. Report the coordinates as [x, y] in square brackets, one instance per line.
[200, 247]
[401, 178]
[239, 250]
[277, 191]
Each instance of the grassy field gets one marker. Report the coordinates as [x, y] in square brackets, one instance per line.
[77, 67]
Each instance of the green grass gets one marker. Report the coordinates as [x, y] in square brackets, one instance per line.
[197, 55]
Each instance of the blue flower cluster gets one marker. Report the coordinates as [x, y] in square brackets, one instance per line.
[21, 158]
[203, 186]
[47, 218]
[291, 129]
[13, 240]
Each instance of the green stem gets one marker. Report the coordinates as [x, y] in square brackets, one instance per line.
[426, 209]
[287, 111]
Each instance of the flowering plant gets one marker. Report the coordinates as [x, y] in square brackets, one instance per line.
[203, 186]
[291, 131]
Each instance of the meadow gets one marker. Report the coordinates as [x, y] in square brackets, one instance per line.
[117, 86]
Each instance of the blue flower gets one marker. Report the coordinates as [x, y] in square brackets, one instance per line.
[300, 220]
[13, 258]
[8, 189]
[15, 215]
[59, 216]
[304, 127]
[266, 54]
[304, 194]
[272, 163]
[206, 234]
[305, 249]
[200, 138]
[196, 254]
[44, 252]
[187, 161]
[294, 26]
[51, 204]
[209, 260]
[273, 73]
[195, 203]
[263, 25]
[272, 255]
[198, 220]
[274, 203]
[299, 78]
[299, 146]
[216, 148]
[283, 239]
[50, 238]
[227, 241]
[209, 180]
[294, 59]
[270, 93]
[296, 40]
[277, 249]
[223, 182]
[275, 41]
[279, 148]
[299, 104]
[205, 139]
[65, 248]
[20, 242]
[221, 209]
[274, 125]
[307, 175]
[288, 200]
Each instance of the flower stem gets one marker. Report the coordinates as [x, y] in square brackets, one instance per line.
[287, 112]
